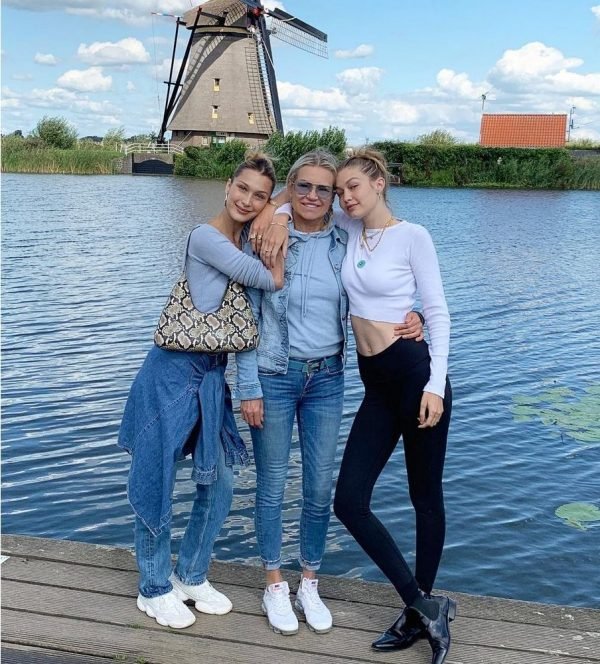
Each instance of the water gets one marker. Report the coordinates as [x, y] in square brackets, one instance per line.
[87, 265]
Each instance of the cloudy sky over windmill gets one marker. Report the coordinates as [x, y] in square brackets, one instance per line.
[396, 68]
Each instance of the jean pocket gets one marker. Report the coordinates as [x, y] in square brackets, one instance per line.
[336, 367]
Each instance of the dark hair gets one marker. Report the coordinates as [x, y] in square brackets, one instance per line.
[370, 162]
[259, 162]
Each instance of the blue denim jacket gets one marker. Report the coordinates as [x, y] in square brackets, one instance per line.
[270, 310]
[179, 404]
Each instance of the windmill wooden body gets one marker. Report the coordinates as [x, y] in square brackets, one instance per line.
[226, 86]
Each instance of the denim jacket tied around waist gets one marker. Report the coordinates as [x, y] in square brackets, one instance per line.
[179, 404]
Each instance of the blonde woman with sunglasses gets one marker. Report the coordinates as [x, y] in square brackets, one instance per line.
[297, 373]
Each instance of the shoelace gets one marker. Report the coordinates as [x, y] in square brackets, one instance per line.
[310, 594]
[281, 601]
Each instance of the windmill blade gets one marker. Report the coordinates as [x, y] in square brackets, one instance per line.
[295, 32]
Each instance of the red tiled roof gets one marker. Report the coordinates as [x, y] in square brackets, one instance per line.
[512, 130]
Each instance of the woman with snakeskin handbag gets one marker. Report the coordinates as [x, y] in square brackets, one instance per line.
[180, 404]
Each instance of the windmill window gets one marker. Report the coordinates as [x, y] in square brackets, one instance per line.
[216, 84]
[250, 118]
[215, 112]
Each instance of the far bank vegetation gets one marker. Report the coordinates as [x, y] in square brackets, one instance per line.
[436, 159]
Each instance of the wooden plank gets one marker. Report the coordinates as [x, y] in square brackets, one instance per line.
[170, 646]
[356, 590]
[371, 619]
[21, 655]
[152, 647]
[253, 629]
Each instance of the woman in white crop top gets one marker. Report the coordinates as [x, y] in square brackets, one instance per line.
[407, 395]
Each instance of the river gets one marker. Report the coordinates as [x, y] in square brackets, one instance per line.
[88, 262]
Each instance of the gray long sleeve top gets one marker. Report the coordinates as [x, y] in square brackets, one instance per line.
[211, 260]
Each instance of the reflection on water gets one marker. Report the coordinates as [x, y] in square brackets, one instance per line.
[87, 265]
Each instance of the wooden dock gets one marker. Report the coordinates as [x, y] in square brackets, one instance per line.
[72, 603]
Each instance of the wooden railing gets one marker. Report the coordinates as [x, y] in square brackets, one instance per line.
[158, 148]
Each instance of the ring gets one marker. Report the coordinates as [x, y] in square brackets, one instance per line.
[259, 237]
[252, 236]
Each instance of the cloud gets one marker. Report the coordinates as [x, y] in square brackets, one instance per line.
[128, 51]
[10, 103]
[459, 85]
[85, 80]
[273, 4]
[161, 71]
[292, 95]
[568, 82]
[130, 86]
[22, 77]
[59, 99]
[133, 12]
[361, 51]
[45, 59]
[517, 68]
[596, 11]
[359, 81]
[397, 112]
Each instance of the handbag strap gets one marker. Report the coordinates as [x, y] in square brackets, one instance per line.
[187, 246]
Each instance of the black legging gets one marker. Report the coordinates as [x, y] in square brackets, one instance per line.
[394, 380]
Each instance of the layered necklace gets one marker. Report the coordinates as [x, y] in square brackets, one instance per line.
[376, 238]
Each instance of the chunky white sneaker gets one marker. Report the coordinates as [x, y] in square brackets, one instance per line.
[207, 598]
[318, 616]
[167, 610]
[278, 609]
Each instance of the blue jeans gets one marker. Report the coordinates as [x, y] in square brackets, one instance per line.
[153, 553]
[313, 392]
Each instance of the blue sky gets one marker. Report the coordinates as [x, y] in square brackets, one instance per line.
[396, 68]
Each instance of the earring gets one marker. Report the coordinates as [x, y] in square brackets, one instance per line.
[225, 203]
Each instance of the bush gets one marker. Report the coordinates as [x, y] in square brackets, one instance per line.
[437, 137]
[286, 149]
[217, 161]
[56, 132]
[476, 165]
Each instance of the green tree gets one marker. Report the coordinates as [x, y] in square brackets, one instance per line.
[56, 132]
[114, 137]
[437, 137]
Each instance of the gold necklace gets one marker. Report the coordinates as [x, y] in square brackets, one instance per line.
[364, 240]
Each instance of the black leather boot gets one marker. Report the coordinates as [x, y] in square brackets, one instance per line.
[402, 634]
[437, 631]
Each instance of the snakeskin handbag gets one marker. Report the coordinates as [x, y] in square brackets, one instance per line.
[229, 329]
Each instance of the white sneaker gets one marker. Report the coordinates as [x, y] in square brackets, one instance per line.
[167, 610]
[278, 609]
[318, 616]
[207, 599]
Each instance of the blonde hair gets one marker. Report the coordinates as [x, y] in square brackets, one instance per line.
[319, 157]
[370, 162]
[260, 162]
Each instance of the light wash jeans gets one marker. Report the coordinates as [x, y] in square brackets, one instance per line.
[153, 553]
[313, 392]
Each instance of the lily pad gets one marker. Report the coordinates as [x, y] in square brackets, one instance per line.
[578, 418]
[577, 514]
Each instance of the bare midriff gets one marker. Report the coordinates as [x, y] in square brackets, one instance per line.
[372, 336]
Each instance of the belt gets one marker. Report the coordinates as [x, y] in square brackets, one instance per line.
[309, 366]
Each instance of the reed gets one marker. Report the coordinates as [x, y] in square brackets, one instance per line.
[31, 156]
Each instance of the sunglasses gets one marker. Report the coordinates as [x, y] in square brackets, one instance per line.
[303, 188]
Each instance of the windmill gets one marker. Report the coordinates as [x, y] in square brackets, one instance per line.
[225, 87]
